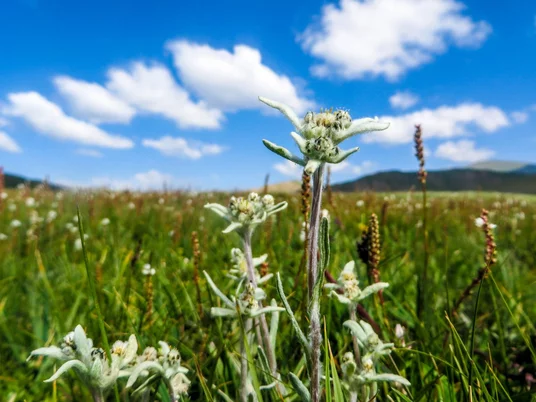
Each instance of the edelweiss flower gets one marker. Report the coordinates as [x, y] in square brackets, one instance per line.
[319, 134]
[247, 303]
[167, 364]
[240, 268]
[247, 213]
[355, 379]
[348, 282]
[368, 339]
[89, 362]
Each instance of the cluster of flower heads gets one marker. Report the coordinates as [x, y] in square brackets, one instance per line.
[99, 374]
[319, 134]
[348, 285]
[246, 213]
[373, 349]
[239, 270]
[244, 302]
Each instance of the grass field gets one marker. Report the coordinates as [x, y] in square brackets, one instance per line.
[44, 289]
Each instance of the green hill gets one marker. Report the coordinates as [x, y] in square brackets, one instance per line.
[445, 180]
[12, 181]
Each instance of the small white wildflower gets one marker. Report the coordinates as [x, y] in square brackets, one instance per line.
[30, 202]
[105, 222]
[325, 214]
[3, 236]
[147, 270]
[131, 205]
[3, 195]
[171, 233]
[12, 207]
[15, 223]
[201, 219]
[400, 331]
[360, 203]
[479, 222]
[78, 243]
[189, 201]
[161, 201]
[51, 215]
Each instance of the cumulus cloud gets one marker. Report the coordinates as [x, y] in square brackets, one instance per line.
[403, 100]
[144, 181]
[152, 89]
[8, 144]
[93, 102]
[232, 80]
[49, 119]
[177, 146]
[387, 38]
[295, 171]
[463, 151]
[290, 169]
[519, 117]
[348, 168]
[442, 122]
[89, 152]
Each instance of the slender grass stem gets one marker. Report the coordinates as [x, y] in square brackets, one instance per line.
[93, 290]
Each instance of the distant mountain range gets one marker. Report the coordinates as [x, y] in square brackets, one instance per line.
[12, 181]
[445, 180]
[498, 176]
[504, 166]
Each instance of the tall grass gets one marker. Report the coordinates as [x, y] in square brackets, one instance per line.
[44, 291]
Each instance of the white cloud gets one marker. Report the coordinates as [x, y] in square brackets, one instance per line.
[443, 122]
[93, 102]
[232, 80]
[145, 181]
[177, 146]
[388, 37]
[3, 122]
[347, 168]
[463, 151]
[153, 89]
[519, 117]
[49, 119]
[89, 152]
[403, 100]
[8, 144]
[294, 170]
[289, 168]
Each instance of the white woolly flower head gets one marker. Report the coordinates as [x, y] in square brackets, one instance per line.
[319, 134]
[245, 213]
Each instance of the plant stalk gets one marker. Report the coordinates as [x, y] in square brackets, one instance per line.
[312, 276]
[264, 330]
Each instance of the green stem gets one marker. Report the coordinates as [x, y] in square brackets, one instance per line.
[93, 290]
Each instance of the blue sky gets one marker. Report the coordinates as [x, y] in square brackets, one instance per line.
[124, 94]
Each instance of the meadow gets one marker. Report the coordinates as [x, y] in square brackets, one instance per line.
[483, 352]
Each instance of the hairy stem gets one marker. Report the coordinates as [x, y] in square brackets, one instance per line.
[314, 226]
[97, 395]
[244, 362]
[264, 330]
[312, 276]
